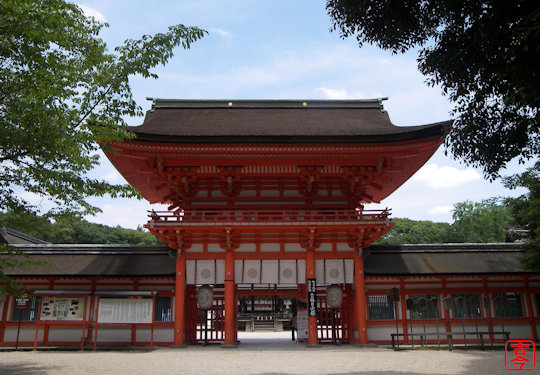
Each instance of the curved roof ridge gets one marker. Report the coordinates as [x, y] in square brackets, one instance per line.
[266, 103]
[321, 121]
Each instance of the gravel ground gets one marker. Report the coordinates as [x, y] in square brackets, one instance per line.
[258, 354]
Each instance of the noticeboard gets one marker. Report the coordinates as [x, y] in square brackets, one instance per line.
[312, 297]
[302, 325]
[21, 303]
[54, 308]
[125, 310]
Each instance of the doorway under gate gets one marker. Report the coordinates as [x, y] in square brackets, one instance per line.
[268, 310]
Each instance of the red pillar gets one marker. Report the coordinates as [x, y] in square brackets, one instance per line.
[230, 300]
[360, 298]
[532, 322]
[179, 300]
[312, 320]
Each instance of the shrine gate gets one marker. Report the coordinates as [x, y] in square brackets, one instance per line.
[266, 197]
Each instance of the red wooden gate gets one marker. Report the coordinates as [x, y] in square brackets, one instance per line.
[332, 323]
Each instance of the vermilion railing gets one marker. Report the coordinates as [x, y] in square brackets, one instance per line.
[268, 216]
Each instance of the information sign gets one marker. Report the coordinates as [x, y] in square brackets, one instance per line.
[53, 308]
[125, 310]
[21, 303]
[312, 296]
[302, 325]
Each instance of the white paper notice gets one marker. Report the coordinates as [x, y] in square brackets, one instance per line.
[125, 310]
[302, 324]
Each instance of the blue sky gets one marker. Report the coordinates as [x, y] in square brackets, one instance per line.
[284, 50]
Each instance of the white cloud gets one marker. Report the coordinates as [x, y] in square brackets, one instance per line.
[340, 93]
[113, 177]
[125, 213]
[91, 12]
[437, 177]
[32, 198]
[222, 32]
[440, 210]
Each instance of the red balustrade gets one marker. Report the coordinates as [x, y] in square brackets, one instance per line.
[268, 216]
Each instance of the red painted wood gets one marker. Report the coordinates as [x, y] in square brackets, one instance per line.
[179, 300]
[230, 300]
[360, 299]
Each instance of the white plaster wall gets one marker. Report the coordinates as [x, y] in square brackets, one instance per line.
[61, 334]
[113, 334]
[344, 247]
[247, 248]
[517, 331]
[196, 248]
[294, 247]
[270, 247]
[324, 247]
[163, 334]
[26, 334]
[269, 193]
[215, 248]
[379, 333]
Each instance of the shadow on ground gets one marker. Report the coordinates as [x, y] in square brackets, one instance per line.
[25, 368]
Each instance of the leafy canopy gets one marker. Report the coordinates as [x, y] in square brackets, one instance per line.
[525, 210]
[484, 54]
[486, 221]
[479, 222]
[63, 93]
[408, 231]
[73, 230]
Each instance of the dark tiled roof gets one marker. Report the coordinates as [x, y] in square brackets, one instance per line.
[135, 260]
[11, 236]
[275, 121]
[443, 259]
[97, 260]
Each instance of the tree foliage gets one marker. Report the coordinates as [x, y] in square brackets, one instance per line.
[486, 221]
[73, 230]
[63, 93]
[484, 54]
[407, 231]
[481, 222]
[525, 210]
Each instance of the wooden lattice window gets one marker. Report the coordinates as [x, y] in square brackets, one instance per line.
[508, 305]
[162, 309]
[466, 305]
[425, 306]
[380, 307]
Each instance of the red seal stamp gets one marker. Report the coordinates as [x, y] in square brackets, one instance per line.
[519, 355]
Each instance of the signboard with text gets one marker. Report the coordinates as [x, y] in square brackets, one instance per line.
[21, 303]
[312, 296]
[302, 325]
[125, 310]
[54, 308]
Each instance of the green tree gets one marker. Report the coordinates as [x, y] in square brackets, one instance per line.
[73, 230]
[62, 95]
[481, 222]
[407, 231]
[484, 54]
[525, 211]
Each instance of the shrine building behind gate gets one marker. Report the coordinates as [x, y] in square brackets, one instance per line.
[267, 206]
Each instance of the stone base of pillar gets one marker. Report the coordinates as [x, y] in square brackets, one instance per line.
[229, 346]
